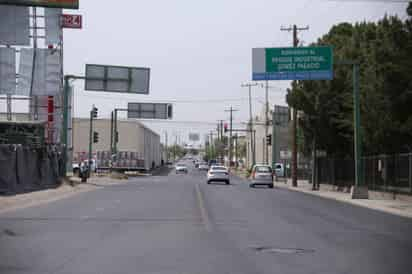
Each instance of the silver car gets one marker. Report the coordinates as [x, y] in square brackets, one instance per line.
[204, 166]
[261, 175]
[218, 173]
[180, 168]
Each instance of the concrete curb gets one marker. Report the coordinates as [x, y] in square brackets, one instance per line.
[386, 206]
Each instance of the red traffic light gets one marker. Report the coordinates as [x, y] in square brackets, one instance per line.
[225, 127]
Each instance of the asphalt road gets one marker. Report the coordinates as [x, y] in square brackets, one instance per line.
[177, 224]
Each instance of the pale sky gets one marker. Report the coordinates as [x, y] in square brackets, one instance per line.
[197, 50]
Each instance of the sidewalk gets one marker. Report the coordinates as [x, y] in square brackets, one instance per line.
[385, 202]
[9, 203]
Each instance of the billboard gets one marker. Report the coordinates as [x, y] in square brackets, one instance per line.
[44, 78]
[65, 4]
[302, 63]
[149, 111]
[281, 115]
[194, 137]
[14, 26]
[7, 70]
[117, 79]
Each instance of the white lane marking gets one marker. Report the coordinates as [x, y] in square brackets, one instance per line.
[203, 211]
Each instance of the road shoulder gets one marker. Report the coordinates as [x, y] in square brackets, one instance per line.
[66, 190]
[384, 204]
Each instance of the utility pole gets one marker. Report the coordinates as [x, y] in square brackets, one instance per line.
[221, 144]
[167, 150]
[266, 120]
[93, 114]
[231, 110]
[252, 146]
[295, 30]
[236, 140]
[174, 149]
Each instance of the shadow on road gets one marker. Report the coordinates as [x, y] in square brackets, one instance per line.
[161, 171]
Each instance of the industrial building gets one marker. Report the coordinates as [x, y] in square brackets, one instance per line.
[134, 139]
[282, 142]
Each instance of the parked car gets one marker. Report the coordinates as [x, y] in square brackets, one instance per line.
[180, 168]
[218, 173]
[261, 175]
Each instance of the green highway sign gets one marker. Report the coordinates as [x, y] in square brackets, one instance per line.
[302, 63]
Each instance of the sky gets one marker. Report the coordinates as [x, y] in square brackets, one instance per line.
[199, 52]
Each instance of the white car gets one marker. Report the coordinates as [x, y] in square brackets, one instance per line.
[218, 173]
[181, 168]
[261, 175]
[203, 166]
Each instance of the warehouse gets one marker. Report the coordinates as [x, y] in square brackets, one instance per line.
[134, 139]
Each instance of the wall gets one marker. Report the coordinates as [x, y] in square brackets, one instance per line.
[133, 136]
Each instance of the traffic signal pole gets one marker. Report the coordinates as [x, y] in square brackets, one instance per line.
[90, 139]
[93, 114]
[359, 190]
[65, 128]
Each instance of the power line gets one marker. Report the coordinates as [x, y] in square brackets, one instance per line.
[183, 122]
[172, 100]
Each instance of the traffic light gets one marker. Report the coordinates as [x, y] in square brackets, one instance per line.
[95, 137]
[269, 140]
[94, 112]
[169, 111]
[225, 127]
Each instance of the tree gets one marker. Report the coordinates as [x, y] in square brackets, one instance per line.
[384, 50]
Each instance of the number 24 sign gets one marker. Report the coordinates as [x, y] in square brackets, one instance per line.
[71, 21]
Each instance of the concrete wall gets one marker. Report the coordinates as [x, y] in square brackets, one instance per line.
[133, 136]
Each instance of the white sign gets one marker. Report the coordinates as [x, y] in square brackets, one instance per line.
[285, 154]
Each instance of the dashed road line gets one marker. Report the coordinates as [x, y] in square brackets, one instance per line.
[203, 212]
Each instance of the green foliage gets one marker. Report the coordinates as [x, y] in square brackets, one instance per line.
[384, 50]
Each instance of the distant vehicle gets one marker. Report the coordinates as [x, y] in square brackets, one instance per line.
[261, 175]
[279, 170]
[218, 173]
[212, 162]
[180, 168]
[203, 166]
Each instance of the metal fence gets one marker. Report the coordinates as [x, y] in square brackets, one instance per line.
[392, 173]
